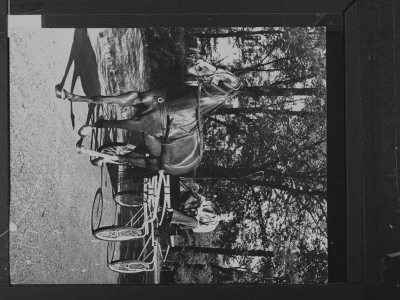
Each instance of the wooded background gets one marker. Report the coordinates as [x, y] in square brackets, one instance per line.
[277, 125]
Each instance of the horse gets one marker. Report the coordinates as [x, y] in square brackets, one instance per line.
[183, 152]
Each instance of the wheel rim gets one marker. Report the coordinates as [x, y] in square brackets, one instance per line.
[118, 233]
[129, 266]
[116, 150]
[129, 199]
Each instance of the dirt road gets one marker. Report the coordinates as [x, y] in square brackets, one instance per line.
[53, 189]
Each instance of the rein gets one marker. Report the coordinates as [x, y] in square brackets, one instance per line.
[163, 114]
[198, 109]
[199, 126]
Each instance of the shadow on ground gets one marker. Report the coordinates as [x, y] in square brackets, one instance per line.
[121, 178]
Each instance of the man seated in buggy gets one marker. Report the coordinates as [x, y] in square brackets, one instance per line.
[205, 217]
[206, 220]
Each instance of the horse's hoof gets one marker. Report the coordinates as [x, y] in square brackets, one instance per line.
[80, 150]
[60, 92]
[85, 130]
[98, 161]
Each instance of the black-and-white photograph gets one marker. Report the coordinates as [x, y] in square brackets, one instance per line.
[162, 155]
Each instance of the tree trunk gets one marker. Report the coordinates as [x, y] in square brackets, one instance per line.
[282, 187]
[197, 267]
[254, 110]
[273, 91]
[242, 252]
[241, 273]
[216, 172]
[241, 71]
[223, 274]
[293, 80]
[236, 34]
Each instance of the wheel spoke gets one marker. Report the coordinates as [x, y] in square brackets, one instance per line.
[124, 150]
[116, 150]
[111, 150]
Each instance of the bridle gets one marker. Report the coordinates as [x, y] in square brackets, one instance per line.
[199, 125]
[198, 120]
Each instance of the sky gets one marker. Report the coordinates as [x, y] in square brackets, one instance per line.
[229, 52]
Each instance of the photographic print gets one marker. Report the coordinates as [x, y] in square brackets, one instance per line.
[168, 155]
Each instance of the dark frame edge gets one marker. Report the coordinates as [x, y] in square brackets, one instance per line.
[353, 143]
[5, 162]
[331, 290]
[4, 148]
[208, 7]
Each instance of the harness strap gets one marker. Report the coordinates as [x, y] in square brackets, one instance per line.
[199, 126]
[163, 114]
[198, 108]
[166, 122]
[165, 142]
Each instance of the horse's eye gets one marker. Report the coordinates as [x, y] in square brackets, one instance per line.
[199, 68]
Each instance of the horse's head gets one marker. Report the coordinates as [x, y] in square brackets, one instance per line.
[201, 68]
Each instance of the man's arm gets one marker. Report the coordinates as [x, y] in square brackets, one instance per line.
[205, 228]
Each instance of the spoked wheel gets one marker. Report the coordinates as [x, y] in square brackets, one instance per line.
[117, 233]
[129, 266]
[115, 149]
[129, 199]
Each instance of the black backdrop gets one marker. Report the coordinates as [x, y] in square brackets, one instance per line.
[345, 218]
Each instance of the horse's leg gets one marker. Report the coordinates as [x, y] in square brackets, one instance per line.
[151, 163]
[136, 151]
[148, 125]
[70, 60]
[73, 82]
[127, 99]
